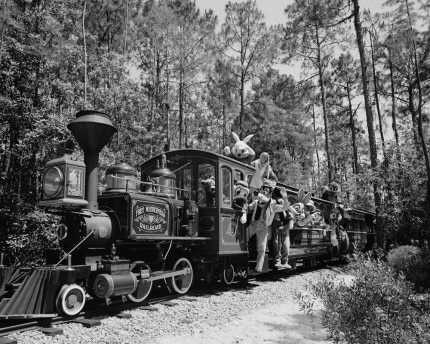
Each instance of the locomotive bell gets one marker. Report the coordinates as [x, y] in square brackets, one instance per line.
[92, 129]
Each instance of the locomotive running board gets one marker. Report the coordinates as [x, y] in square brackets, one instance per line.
[162, 237]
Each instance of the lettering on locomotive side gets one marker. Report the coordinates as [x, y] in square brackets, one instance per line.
[149, 218]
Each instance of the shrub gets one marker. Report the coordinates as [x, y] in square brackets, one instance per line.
[413, 263]
[377, 306]
[401, 258]
[28, 237]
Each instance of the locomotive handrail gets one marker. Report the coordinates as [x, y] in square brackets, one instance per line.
[74, 248]
[180, 168]
[149, 183]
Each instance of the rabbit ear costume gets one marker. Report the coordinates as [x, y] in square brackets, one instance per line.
[241, 150]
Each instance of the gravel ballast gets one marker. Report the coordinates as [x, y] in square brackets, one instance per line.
[192, 317]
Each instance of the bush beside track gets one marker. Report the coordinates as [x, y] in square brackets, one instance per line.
[379, 305]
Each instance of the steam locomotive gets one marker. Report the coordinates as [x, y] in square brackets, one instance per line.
[166, 226]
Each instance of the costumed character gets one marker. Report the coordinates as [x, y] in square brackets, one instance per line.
[240, 199]
[330, 192]
[241, 150]
[209, 189]
[304, 207]
[263, 210]
[339, 237]
[263, 170]
[240, 205]
[281, 225]
[318, 219]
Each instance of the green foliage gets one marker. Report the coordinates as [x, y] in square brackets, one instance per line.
[25, 235]
[376, 306]
[413, 263]
[403, 257]
[403, 209]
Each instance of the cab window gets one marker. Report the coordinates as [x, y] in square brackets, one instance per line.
[226, 186]
[206, 188]
[186, 182]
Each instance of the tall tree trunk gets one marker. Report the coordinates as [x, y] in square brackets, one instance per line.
[2, 30]
[181, 108]
[324, 108]
[186, 145]
[168, 101]
[85, 54]
[224, 124]
[414, 119]
[375, 89]
[380, 232]
[316, 144]
[127, 13]
[393, 100]
[242, 104]
[353, 134]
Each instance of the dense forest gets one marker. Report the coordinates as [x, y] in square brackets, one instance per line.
[170, 75]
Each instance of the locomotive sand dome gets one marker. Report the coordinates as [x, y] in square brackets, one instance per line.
[121, 177]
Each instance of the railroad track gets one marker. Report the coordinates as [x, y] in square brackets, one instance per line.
[95, 309]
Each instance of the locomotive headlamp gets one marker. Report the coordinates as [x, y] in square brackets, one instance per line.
[53, 182]
[64, 182]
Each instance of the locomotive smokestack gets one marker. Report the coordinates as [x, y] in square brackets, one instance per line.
[92, 130]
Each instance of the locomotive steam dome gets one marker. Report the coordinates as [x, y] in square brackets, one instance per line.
[121, 177]
[164, 178]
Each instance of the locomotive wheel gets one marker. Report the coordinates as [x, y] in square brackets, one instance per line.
[70, 300]
[227, 275]
[182, 283]
[143, 287]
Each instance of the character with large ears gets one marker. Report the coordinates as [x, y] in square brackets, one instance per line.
[209, 191]
[303, 207]
[241, 150]
[240, 199]
[331, 192]
[240, 206]
[263, 210]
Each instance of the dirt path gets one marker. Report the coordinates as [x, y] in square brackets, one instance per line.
[275, 324]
